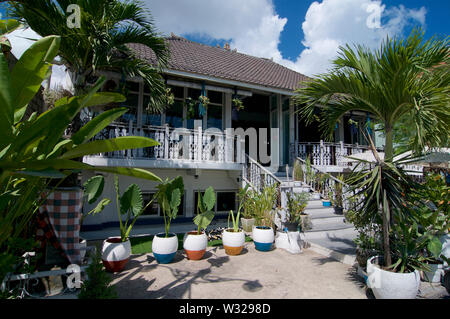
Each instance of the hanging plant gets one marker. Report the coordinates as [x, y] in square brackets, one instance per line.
[170, 97]
[237, 103]
[190, 103]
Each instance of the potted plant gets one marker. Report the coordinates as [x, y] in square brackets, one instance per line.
[195, 242]
[296, 204]
[338, 199]
[246, 200]
[165, 245]
[263, 233]
[116, 251]
[233, 239]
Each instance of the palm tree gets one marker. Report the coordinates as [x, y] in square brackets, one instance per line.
[100, 44]
[404, 79]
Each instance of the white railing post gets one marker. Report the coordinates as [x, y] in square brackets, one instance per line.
[321, 150]
[166, 142]
[200, 143]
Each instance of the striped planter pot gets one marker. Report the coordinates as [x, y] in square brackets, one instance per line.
[164, 249]
[263, 237]
[115, 254]
[233, 242]
[195, 245]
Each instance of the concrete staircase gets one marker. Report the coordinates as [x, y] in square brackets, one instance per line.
[330, 234]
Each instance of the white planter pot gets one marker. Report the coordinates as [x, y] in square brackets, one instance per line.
[82, 245]
[288, 241]
[164, 249]
[391, 285]
[233, 242]
[115, 254]
[435, 274]
[263, 238]
[195, 245]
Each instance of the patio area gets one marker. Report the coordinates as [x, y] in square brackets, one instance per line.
[276, 274]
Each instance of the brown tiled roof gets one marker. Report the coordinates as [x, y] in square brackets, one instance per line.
[193, 57]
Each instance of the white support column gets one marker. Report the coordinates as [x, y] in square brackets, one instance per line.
[291, 128]
[281, 127]
[227, 105]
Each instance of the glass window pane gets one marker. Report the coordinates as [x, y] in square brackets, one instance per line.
[215, 97]
[226, 201]
[177, 91]
[132, 104]
[194, 93]
[152, 210]
[153, 119]
[214, 117]
[174, 115]
[132, 86]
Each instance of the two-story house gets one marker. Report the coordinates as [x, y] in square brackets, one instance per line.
[207, 145]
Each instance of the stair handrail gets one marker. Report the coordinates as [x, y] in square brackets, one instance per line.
[247, 169]
[329, 184]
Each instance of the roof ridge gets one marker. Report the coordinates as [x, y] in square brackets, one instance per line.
[180, 38]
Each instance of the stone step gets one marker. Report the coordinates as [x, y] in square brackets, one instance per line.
[324, 227]
[328, 222]
[316, 203]
[322, 213]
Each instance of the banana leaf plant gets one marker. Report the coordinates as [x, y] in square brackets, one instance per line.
[169, 198]
[34, 149]
[205, 213]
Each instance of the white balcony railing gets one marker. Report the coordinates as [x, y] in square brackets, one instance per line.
[326, 154]
[177, 144]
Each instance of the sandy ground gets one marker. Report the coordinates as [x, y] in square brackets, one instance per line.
[274, 275]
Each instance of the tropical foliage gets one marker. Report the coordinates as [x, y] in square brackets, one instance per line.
[403, 79]
[101, 41]
[169, 198]
[34, 150]
[205, 206]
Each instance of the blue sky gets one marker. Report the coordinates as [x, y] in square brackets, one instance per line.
[437, 20]
[303, 35]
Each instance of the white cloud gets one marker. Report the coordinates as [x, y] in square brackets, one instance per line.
[253, 26]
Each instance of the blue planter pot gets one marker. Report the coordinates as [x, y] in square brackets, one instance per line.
[164, 249]
[326, 203]
[263, 238]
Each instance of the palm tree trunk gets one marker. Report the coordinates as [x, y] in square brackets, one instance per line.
[389, 145]
[388, 156]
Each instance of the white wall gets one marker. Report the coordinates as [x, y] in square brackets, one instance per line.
[219, 180]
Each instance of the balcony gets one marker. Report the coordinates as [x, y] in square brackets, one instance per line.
[178, 148]
[327, 156]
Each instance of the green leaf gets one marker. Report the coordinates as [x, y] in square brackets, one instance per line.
[93, 188]
[29, 72]
[175, 201]
[99, 98]
[133, 172]
[97, 124]
[132, 200]
[110, 145]
[100, 206]
[7, 26]
[435, 247]
[209, 198]
[203, 220]
[6, 103]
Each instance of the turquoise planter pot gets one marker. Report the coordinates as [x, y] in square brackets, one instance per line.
[326, 203]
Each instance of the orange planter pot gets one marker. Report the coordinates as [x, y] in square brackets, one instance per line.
[195, 245]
